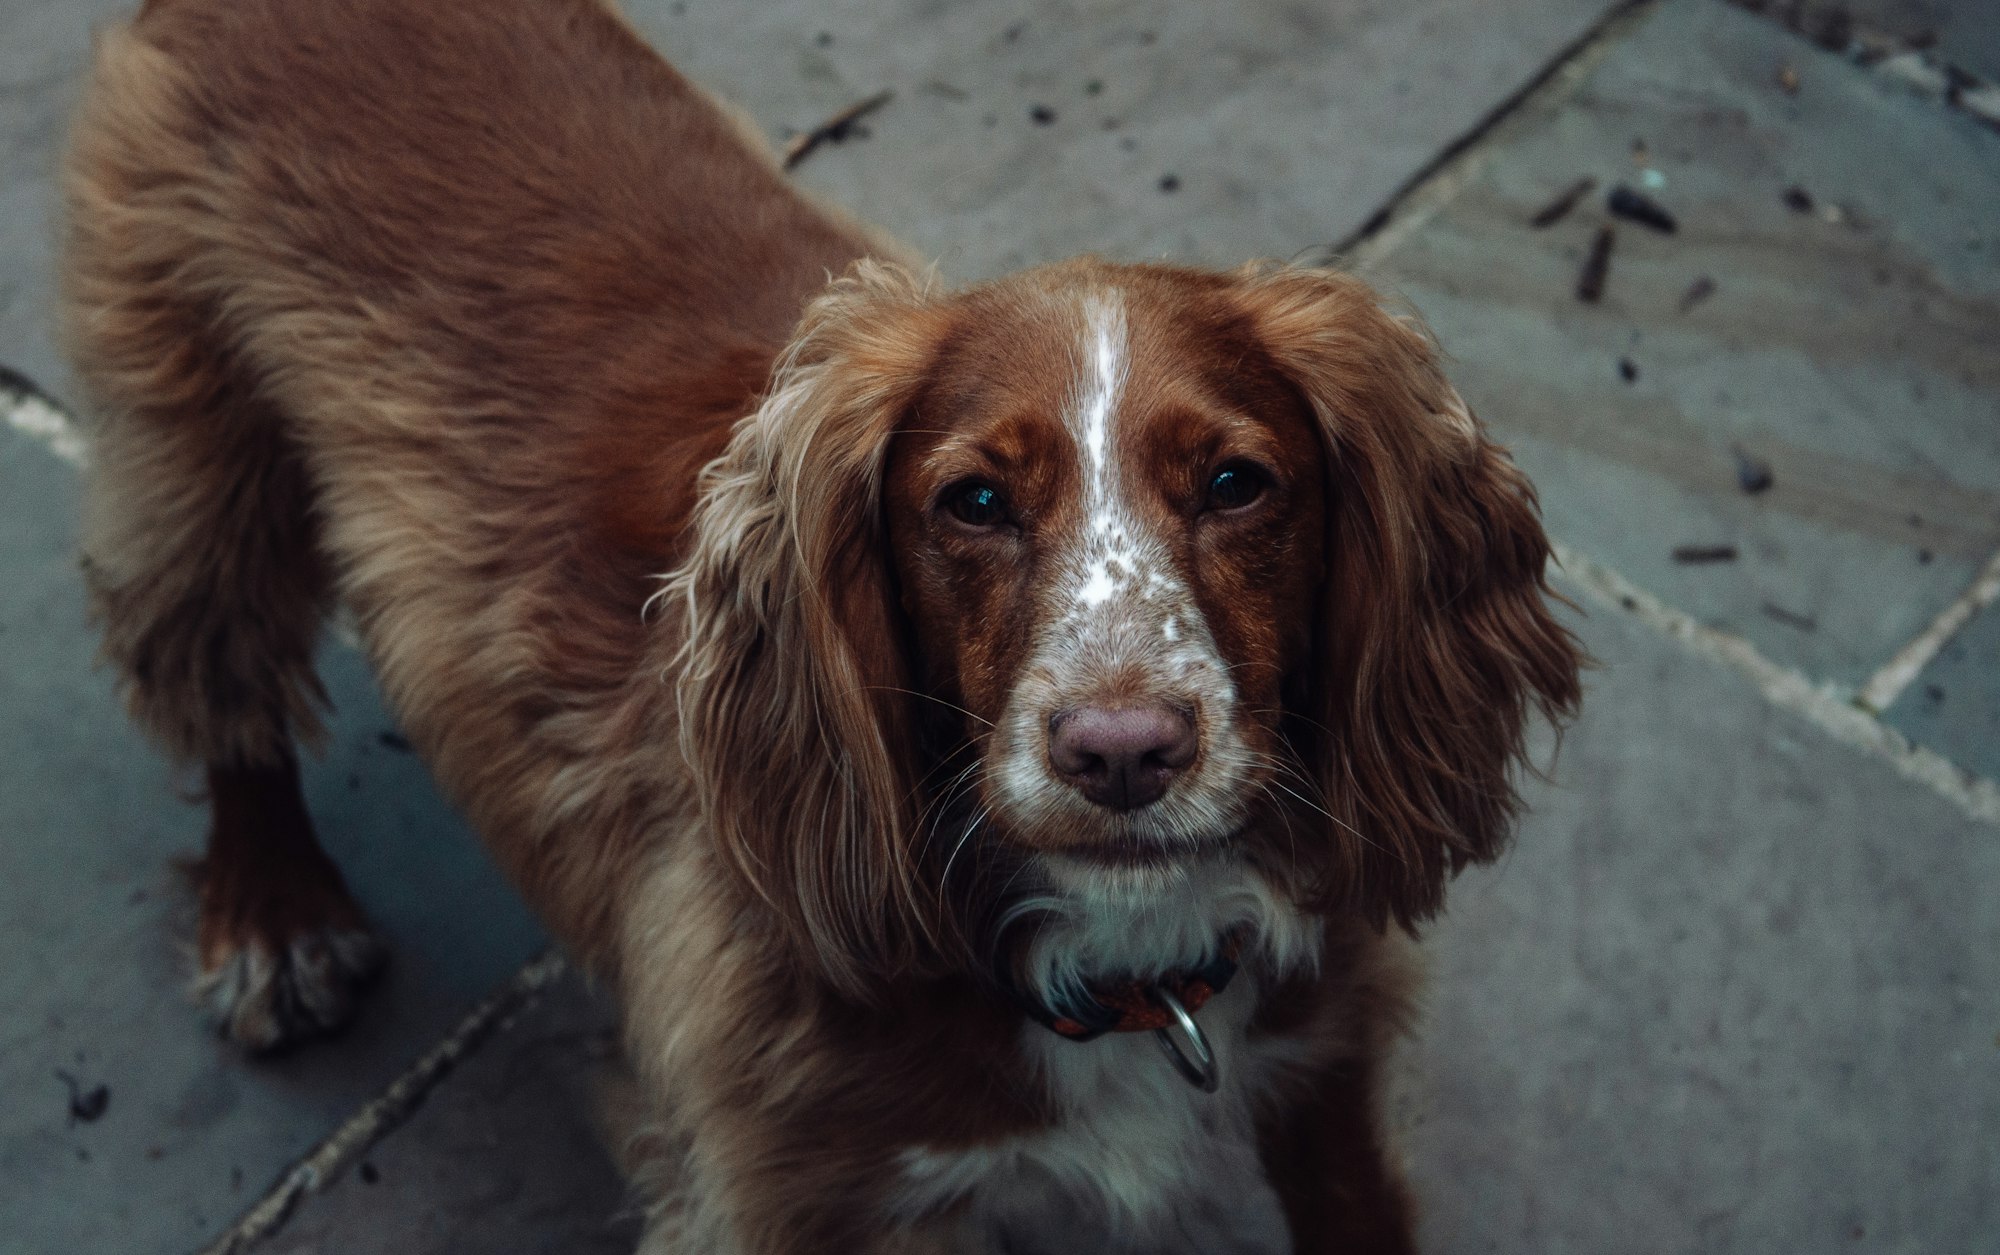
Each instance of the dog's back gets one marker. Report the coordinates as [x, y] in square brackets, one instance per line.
[434, 308]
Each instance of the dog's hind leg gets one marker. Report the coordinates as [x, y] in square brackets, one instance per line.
[205, 575]
[207, 581]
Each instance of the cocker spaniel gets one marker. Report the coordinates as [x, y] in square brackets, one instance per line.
[994, 741]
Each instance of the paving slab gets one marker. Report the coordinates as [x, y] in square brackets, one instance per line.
[1281, 124]
[1734, 990]
[94, 920]
[1850, 347]
[1954, 704]
[508, 1158]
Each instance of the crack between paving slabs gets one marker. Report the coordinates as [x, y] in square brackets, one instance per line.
[1903, 667]
[1822, 704]
[325, 1163]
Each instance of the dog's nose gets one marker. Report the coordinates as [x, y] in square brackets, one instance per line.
[1122, 758]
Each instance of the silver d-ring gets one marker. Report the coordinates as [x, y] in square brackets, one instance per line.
[1200, 1070]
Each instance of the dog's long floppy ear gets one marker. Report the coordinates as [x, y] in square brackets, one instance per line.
[792, 675]
[1434, 636]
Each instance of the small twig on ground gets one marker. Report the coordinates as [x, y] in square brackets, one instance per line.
[1753, 474]
[834, 128]
[85, 1105]
[1698, 291]
[1558, 209]
[1790, 618]
[1696, 555]
[1590, 284]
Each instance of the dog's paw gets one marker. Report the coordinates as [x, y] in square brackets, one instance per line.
[267, 996]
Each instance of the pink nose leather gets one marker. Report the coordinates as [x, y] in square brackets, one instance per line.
[1122, 758]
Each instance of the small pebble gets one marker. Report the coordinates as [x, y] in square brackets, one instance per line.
[1170, 183]
[85, 1105]
[1631, 206]
[1628, 370]
[1041, 115]
[1753, 474]
[1798, 200]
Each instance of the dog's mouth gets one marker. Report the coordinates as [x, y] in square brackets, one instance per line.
[1142, 852]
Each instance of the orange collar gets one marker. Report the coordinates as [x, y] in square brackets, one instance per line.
[1133, 1005]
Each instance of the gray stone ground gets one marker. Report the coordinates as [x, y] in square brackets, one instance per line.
[1734, 990]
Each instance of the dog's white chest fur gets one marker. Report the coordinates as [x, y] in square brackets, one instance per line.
[1140, 1160]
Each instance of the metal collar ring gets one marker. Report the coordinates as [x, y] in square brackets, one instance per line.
[1197, 1062]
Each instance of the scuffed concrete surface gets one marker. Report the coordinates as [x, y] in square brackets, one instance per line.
[508, 1158]
[1285, 123]
[1733, 991]
[1853, 355]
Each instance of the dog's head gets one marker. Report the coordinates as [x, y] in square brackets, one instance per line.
[1096, 579]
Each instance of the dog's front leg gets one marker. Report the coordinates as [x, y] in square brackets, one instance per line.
[697, 1219]
[1329, 1163]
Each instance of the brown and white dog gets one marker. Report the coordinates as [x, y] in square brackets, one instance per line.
[1030, 658]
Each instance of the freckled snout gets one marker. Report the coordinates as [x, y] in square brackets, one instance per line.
[1125, 757]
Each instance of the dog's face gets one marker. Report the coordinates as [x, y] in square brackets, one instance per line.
[1106, 515]
[1111, 573]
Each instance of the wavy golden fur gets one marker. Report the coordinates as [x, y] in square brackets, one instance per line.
[833, 658]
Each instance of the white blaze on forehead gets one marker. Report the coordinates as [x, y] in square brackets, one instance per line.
[1104, 315]
[1110, 553]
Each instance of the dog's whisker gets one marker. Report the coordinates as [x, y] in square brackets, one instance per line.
[891, 688]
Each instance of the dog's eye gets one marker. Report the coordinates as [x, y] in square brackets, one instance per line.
[1236, 485]
[976, 505]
